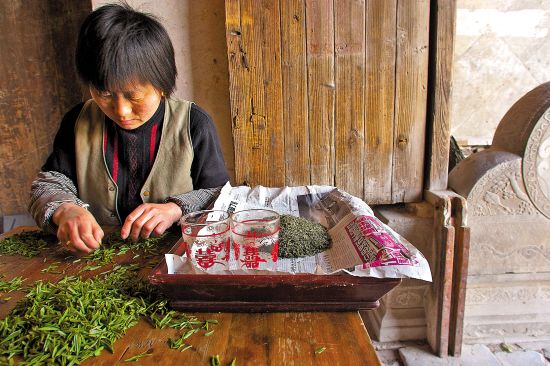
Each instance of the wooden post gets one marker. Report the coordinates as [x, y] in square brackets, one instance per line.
[295, 97]
[442, 24]
[460, 274]
[321, 89]
[438, 303]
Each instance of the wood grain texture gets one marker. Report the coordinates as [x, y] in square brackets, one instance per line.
[270, 86]
[256, 339]
[410, 99]
[39, 84]
[439, 299]
[460, 275]
[238, 81]
[354, 94]
[295, 98]
[256, 90]
[379, 100]
[321, 89]
[349, 121]
[253, 339]
[441, 62]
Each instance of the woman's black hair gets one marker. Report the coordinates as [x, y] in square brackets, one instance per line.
[119, 45]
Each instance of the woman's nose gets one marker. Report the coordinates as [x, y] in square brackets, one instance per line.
[122, 107]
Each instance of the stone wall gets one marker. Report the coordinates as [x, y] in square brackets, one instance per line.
[402, 315]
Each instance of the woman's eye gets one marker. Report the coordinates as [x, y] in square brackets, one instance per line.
[134, 98]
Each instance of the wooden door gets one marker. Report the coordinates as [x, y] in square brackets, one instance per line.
[330, 92]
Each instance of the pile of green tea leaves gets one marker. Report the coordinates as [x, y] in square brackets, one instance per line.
[71, 320]
[12, 285]
[300, 237]
[28, 243]
[31, 243]
[74, 319]
[113, 245]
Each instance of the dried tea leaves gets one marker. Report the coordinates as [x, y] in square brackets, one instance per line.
[300, 237]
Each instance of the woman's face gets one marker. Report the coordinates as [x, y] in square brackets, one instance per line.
[131, 107]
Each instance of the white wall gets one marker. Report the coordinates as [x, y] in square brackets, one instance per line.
[502, 50]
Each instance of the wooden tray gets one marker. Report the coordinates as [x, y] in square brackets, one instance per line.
[269, 293]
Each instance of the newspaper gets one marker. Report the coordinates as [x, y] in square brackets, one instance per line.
[361, 244]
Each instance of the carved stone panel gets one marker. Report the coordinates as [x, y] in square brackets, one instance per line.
[508, 193]
[500, 191]
[524, 331]
[536, 164]
[508, 308]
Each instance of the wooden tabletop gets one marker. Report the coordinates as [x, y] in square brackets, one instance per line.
[253, 339]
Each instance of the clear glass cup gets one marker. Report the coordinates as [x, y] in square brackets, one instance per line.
[255, 236]
[207, 240]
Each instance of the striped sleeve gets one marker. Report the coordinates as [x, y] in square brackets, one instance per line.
[50, 190]
[195, 200]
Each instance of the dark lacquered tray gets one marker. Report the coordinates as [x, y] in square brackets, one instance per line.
[269, 293]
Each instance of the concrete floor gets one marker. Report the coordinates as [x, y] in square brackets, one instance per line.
[418, 354]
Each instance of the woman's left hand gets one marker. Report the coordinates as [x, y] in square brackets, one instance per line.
[150, 218]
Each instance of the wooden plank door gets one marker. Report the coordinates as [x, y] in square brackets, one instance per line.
[330, 92]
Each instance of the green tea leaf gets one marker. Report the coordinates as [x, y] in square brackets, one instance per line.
[139, 356]
[320, 350]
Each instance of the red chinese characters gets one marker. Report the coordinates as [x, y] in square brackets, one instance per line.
[251, 257]
[207, 257]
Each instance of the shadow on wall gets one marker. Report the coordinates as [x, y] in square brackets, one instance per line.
[39, 85]
[209, 72]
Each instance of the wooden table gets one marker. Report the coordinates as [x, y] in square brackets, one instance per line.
[253, 339]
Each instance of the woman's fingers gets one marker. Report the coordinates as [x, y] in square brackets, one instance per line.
[78, 230]
[161, 228]
[79, 239]
[143, 226]
[150, 218]
[127, 228]
[98, 233]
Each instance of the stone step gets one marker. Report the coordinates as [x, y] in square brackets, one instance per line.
[475, 355]
[521, 358]
[472, 355]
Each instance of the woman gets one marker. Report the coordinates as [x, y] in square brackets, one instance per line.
[131, 155]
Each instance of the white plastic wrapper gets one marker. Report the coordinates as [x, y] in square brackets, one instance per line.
[361, 244]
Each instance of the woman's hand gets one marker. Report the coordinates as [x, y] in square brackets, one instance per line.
[150, 218]
[77, 228]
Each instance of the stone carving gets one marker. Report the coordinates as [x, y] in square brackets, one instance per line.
[524, 330]
[536, 165]
[507, 188]
[408, 299]
[501, 191]
[494, 295]
[527, 252]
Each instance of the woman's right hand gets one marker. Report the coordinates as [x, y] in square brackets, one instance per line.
[77, 228]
